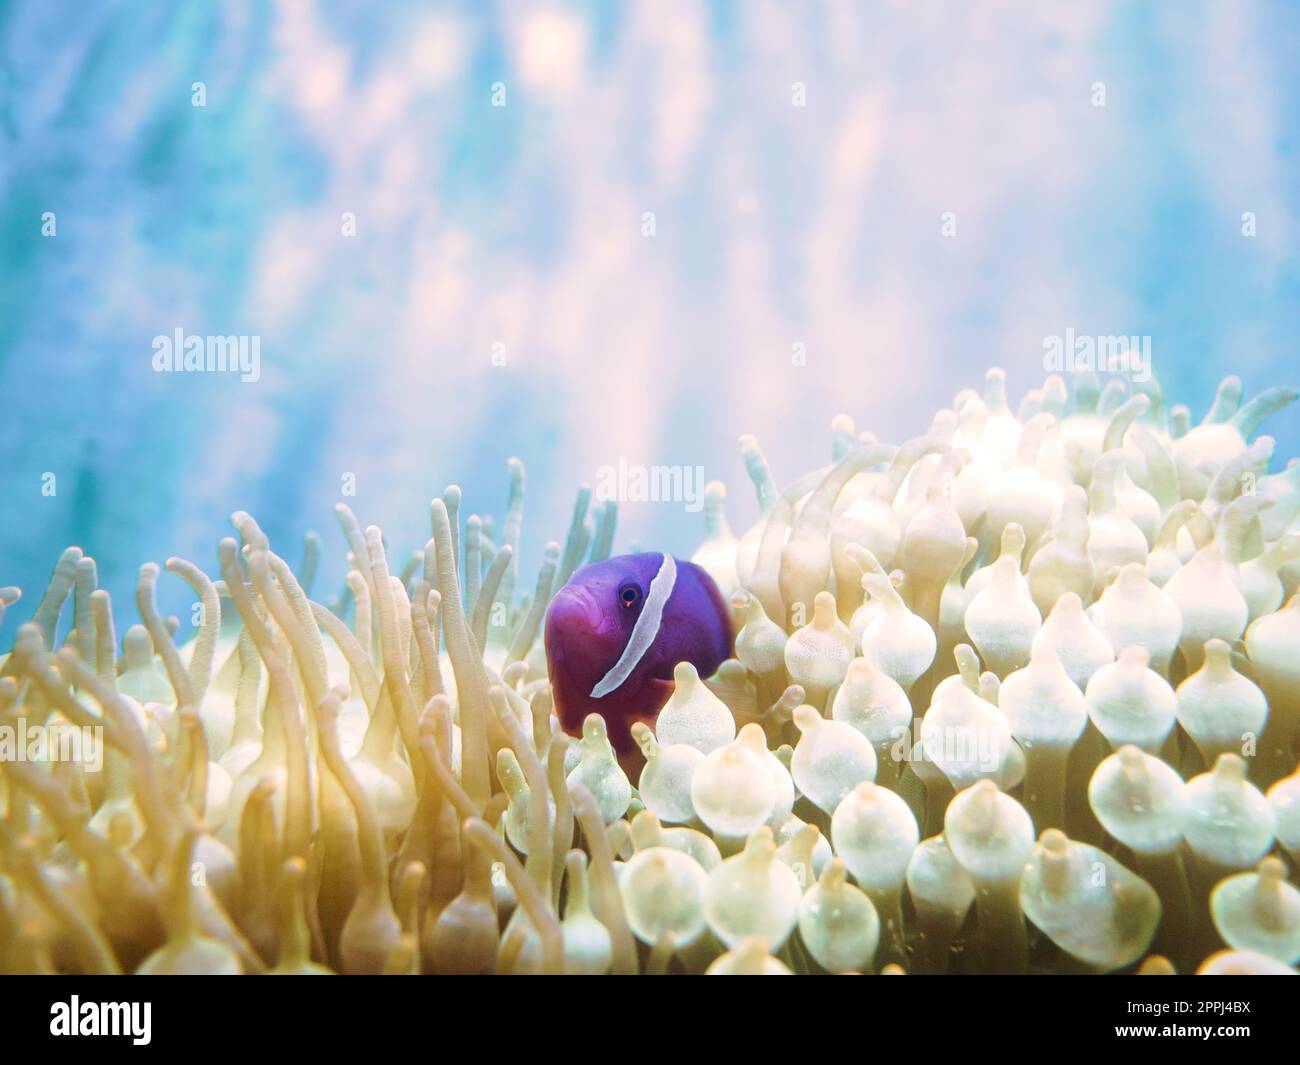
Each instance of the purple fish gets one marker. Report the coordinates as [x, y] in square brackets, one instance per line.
[615, 631]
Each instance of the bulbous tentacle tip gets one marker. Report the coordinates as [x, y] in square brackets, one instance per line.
[1134, 657]
[1272, 869]
[645, 739]
[824, 612]
[685, 677]
[761, 844]
[807, 718]
[1054, 841]
[835, 874]
[1229, 770]
[1133, 761]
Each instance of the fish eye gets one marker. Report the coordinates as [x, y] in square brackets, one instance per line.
[629, 595]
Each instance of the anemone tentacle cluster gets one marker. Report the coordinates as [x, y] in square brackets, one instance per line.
[1018, 695]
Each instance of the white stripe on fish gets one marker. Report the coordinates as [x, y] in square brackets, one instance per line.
[644, 632]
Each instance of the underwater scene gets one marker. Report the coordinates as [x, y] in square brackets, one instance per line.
[554, 487]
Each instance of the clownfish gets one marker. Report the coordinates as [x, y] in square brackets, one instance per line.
[617, 629]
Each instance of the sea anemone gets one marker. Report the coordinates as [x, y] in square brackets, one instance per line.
[1018, 695]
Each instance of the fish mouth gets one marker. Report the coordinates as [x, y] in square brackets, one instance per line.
[572, 617]
[573, 608]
